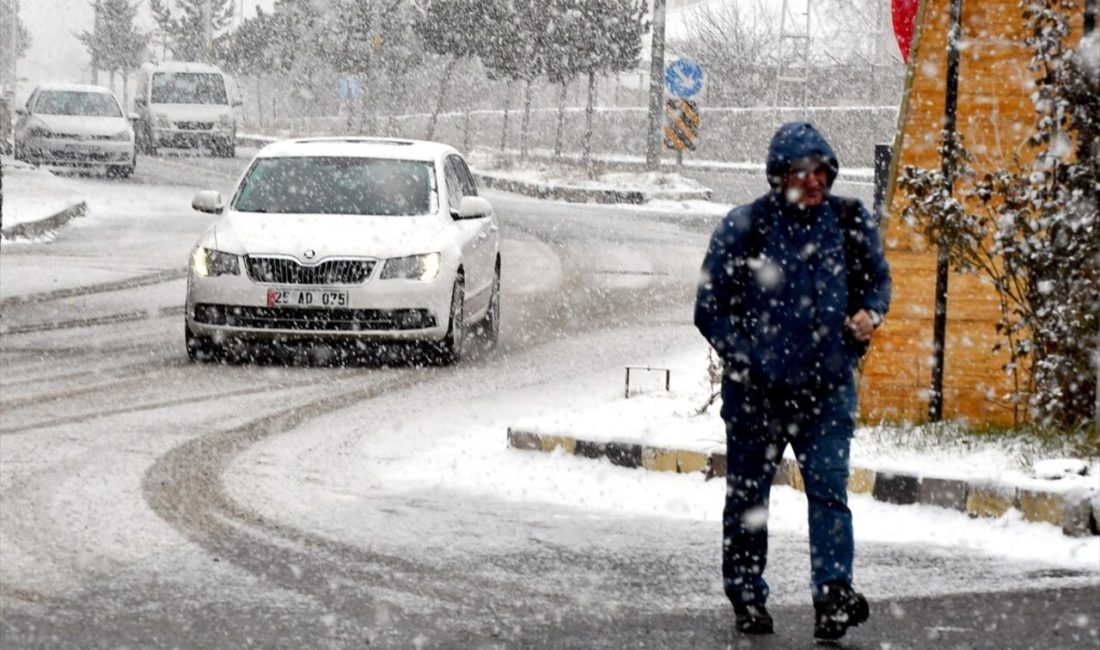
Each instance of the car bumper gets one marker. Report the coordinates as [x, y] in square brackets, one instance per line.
[234, 306]
[58, 151]
[175, 137]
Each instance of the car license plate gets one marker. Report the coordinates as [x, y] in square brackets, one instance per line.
[306, 298]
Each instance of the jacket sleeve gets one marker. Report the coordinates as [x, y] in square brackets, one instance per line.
[876, 271]
[721, 289]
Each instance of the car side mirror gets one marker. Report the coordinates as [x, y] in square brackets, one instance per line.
[474, 207]
[209, 201]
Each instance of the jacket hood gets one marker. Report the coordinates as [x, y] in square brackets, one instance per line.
[794, 141]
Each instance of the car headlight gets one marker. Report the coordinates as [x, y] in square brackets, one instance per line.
[121, 136]
[163, 121]
[207, 262]
[414, 267]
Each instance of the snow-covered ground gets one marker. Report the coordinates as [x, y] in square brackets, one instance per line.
[460, 442]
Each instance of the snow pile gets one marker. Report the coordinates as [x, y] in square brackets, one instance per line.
[32, 194]
[575, 175]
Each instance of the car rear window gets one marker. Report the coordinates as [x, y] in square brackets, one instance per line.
[188, 88]
[337, 185]
[75, 102]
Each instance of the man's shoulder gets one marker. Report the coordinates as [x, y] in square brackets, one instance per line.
[740, 219]
[849, 211]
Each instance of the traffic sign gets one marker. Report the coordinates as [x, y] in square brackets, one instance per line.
[681, 124]
[904, 15]
[349, 88]
[684, 78]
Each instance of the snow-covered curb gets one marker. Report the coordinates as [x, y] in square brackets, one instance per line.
[1075, 510]
[662, 430]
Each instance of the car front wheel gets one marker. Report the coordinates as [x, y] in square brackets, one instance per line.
[489, 327]
[452, 347]
[201, 348]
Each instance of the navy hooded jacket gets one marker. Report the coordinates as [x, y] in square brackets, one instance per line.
[777, 282]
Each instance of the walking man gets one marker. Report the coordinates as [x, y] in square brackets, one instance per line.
[793, 286]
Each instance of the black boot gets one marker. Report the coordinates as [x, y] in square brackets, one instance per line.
[840, 608]
[753, 618]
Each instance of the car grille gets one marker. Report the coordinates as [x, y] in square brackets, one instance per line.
[195, 126]
[283, 270]
[78, 137]
[80, 156]
[314, 320]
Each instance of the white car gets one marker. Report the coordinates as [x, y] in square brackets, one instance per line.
[75, 125]
[353, 238]
[186, 104]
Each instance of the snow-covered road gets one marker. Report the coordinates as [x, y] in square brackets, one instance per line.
[150, 502]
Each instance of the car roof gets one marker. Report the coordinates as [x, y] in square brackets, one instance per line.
[76, 88]
[181, 66]
[357, 147]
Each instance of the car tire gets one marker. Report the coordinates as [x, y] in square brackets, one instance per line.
[120, 171]
[451, 348]
[489, 327]
[149, 143]
[201, 349]
[226, 148]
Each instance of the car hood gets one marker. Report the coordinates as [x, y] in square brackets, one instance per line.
[83, 125]
[192, 112]
[327, 235]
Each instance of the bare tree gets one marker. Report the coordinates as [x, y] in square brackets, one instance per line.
[737, 47]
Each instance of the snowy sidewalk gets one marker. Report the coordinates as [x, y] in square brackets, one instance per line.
[37, 202]
[664, 431]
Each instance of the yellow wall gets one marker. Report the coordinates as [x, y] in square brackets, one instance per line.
[994, 117]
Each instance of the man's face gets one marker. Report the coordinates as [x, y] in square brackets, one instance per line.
[806, 183]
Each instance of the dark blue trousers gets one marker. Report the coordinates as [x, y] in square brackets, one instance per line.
[760, 423]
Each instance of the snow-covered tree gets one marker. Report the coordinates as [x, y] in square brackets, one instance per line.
[516, 48]
[452, 29]
[184, 24]
[1033, 228]
[22, 36]
[115, 43]
[593, 38]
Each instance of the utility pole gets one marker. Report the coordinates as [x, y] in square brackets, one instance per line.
[375, 35]
[14, 6]
[656, 87]
[208, 30]
[95, 44]
[951, 101]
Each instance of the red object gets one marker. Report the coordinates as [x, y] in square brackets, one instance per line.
[905, 17]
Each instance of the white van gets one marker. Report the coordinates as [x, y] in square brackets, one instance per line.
[185, 104]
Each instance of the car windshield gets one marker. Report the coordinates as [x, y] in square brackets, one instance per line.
[75, 102]
[337, 185]
[188, 88]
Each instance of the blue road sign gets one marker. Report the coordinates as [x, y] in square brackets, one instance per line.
[349, 88]
[684, 78]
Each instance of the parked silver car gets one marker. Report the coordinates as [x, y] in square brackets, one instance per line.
[75, 125]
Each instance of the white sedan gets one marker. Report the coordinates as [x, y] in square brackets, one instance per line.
[347, 238]
[75, 125]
